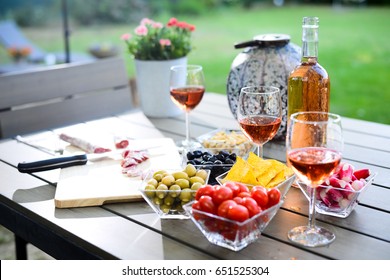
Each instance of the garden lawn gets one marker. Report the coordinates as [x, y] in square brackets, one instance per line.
[354, 48]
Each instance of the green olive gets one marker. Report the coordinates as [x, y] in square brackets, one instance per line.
[195, 186]
[152, 181]
[202, 174]
[169, 200]
[174, 190]
[196, 179]
[183, 183]
[165, 208]
[168, 180]
[157, 200]
[185, 195]
[190, 170]
[161, 191]
[180, 175]
[157, 177]
[150, 191]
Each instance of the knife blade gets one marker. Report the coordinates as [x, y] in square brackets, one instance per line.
[67, 161]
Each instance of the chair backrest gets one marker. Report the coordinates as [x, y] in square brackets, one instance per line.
[12, 36]
[61, 95]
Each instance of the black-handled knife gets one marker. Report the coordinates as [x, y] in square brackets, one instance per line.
[53, 163]
[67, 161]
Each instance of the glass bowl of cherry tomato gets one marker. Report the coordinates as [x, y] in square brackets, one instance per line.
[232, 215]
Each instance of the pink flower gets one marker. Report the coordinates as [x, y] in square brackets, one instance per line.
[185, 25]
[191, 27]
[172, 22]
[157, 25]
[165, 42]
[146, 21]
[141, 30]
[125, 36]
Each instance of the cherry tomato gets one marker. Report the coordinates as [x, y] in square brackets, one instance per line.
[210, 223]
[251, 205]
[224, 207]
[259, 194]
[207, 204]
[238, 213]
[196, 206]
[233, 186]
[273, 197]
[222, 193]
[244, 194]
[243, 187]
[205, 190]
[238, 199]
[229, 234]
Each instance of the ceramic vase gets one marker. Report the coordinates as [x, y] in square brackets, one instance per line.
[152, 78]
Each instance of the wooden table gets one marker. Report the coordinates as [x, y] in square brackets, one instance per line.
[134, 231]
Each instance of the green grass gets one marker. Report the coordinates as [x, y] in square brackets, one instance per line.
[354, 48]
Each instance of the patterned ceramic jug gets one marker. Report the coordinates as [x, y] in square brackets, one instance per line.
[267, 59]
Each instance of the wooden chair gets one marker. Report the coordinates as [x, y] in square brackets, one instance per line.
[60, 95]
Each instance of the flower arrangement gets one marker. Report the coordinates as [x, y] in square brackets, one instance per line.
[18, 53]
[155, 41]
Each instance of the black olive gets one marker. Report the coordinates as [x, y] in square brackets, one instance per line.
[220, 157]
[197, 153]
[233, 156]
[190, 156]
[229, 161]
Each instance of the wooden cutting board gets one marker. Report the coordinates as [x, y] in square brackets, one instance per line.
[102, 181]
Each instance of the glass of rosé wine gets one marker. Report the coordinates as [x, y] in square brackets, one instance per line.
[314, 143]
[187, 86]
[259, 113]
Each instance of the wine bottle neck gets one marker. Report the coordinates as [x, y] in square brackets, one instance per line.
[309, 38]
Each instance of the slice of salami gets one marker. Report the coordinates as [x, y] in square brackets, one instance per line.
[83, 144]
[130, 160]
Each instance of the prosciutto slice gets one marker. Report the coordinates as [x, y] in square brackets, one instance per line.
[130, 160]
[86, 146]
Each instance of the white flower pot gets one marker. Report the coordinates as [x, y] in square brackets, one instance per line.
[152, 79]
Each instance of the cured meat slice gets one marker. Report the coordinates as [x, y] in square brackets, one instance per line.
[131, 159]
[83, 144]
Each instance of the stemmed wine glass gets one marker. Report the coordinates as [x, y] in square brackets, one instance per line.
[187, 86]
[314, 144]
[259, 113]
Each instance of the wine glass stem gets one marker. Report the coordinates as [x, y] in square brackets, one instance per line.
[260, 151]
[187, 128]
[312, 207]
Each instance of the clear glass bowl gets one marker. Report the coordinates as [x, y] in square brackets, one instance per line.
[339, 202]
[168, 204]
[232, 141]
[201, 160]
[283, 186]
[228, 233]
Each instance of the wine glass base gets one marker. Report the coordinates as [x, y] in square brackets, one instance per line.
[311, 237]
[188, 145]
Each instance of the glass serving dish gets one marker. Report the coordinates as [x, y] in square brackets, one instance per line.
[168, 201]
[232, 141]
[283, 186]
[228, 233]
[336, 202]
[217, 163]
